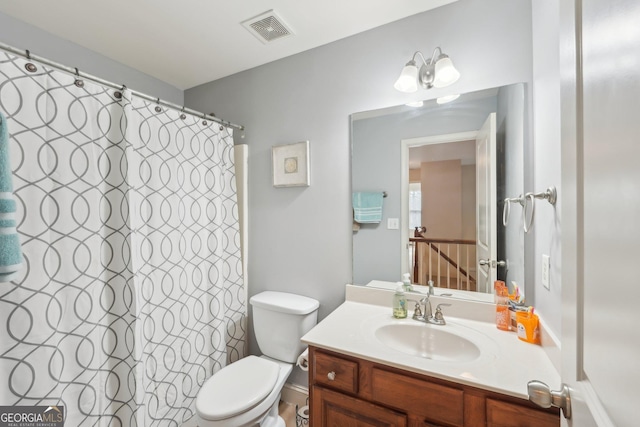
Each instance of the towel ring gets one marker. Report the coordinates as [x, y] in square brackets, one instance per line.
[507, 207]
[550, 195]
[526, 225]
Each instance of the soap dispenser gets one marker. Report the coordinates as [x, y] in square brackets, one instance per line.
[406, 282]
[430, 284]
[399, 302]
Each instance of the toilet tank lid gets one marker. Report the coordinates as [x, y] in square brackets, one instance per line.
[284, 302]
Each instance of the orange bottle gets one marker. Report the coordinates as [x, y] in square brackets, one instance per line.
[503, 317]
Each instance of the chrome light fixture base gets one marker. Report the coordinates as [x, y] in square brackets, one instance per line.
[427, 75]
[438, 71]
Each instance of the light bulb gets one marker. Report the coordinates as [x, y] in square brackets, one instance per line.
[408, 80]
[446, 73]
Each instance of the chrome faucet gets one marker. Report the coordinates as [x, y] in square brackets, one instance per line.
[428, 316]
[427, 308]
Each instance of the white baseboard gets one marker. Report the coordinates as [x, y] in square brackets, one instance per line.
[295, 394]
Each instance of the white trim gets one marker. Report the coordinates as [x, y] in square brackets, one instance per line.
[405, 144]
[295, 394]
[241, 163]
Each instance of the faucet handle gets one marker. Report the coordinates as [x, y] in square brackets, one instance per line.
[438, 316]
[417, 311]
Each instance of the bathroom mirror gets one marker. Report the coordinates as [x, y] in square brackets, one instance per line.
[399, 151]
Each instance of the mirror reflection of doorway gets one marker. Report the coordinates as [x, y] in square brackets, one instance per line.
[455, 242]
[442, 214]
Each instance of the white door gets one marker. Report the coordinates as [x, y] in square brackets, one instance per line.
[600, 202]
[486, 217]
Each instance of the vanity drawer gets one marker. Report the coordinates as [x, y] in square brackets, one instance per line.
[434, 402]
[506, 414]
[335, 372]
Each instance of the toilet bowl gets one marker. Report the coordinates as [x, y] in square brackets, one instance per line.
[247, 392]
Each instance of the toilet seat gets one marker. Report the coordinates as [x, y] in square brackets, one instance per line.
[237, 388]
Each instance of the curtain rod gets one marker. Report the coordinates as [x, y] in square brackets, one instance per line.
[74, 71]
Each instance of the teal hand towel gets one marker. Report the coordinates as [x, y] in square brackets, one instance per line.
[367, 207]
[11, 260]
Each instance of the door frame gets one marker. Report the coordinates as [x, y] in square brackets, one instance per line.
[586, 407]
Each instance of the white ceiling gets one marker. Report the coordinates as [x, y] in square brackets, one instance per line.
[189, 42]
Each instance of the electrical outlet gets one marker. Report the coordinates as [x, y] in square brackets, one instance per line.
[546, 266]
[393, 223]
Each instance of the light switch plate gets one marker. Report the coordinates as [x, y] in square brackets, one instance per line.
[546, 266]
[393, 223]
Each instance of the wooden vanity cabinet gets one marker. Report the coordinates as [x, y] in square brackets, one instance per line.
[350, 392]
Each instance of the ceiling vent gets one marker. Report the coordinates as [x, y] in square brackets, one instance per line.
[268, 27]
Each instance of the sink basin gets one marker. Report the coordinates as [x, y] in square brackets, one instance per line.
[428, 341]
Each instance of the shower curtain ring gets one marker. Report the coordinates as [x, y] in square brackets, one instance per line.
[119, 93]
[29, 66]
[78, 82]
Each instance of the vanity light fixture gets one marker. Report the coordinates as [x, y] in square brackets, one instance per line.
[435, 72]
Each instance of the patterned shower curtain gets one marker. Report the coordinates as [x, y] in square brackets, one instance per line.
[133, 292]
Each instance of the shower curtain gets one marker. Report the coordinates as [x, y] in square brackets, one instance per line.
[133, 292]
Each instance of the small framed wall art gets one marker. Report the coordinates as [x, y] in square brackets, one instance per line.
[291, 164]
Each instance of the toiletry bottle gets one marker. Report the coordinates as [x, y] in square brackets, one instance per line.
[496, 289]
[406, 282]
[399, 303]
[503, 317]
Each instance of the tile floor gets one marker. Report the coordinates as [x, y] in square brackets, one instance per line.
[288, 413]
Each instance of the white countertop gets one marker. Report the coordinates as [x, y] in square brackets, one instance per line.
[505, 366]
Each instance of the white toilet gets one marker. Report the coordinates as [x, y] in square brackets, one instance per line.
[247, 392]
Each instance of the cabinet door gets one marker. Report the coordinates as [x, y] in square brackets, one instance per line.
[431, 402]
[332, 409]
[504, 414]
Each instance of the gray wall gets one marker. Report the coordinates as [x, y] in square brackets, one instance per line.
[300, 238]
[511, 114]
[376, 167]
[546, 233]
[24, 36]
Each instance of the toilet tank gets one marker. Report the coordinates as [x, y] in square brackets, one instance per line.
[280, 319]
